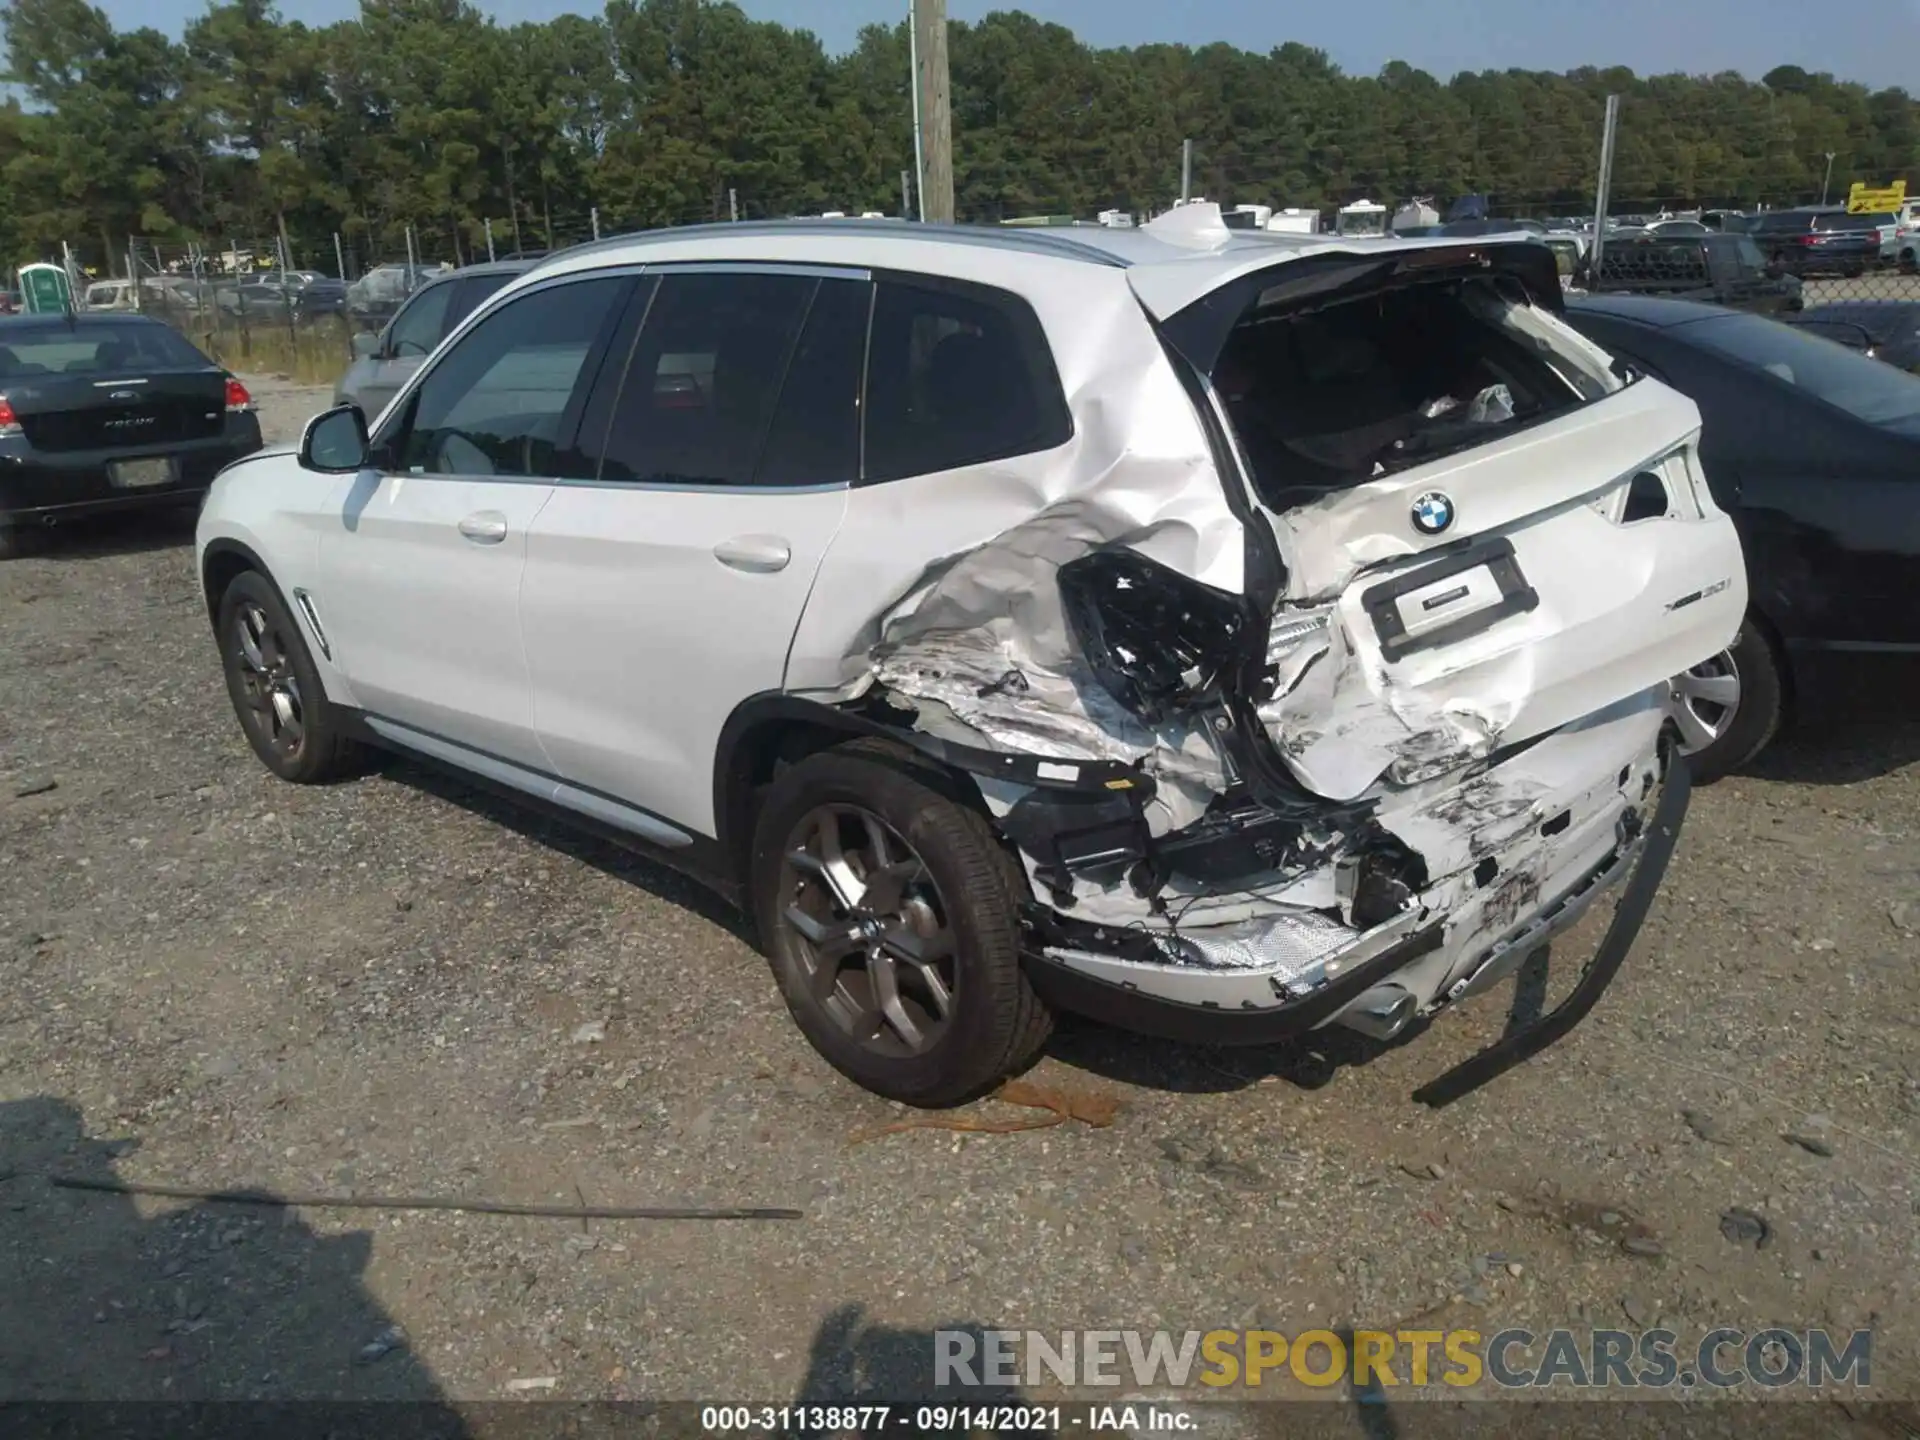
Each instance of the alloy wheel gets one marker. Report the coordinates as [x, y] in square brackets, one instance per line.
[265, 667]
[1705, 700]
[869, 930]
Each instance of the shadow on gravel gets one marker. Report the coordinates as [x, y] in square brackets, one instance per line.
[576, 843]
[103, 535]
[856, 1362]
[191, 1303]
[1842, 754]
[1311, 1063]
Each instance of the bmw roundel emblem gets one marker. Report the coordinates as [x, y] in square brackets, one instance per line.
[1432, 513]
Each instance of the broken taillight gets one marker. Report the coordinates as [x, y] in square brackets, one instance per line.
[238, 400]
[1159, 643]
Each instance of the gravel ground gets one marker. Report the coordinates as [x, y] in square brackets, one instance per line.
[395, 987]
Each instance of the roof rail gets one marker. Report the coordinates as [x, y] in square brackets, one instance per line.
[1032, 241]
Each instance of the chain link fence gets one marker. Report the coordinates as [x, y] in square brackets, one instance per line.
[292, 304]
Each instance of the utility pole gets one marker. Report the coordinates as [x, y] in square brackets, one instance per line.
[1605, 187]
[906, 194]
[933, 88]
[913, 89]
[733, 204]
[1827, 183]
[594, 215]
[1186, 171]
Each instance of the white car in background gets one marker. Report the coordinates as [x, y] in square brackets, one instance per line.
[1224, 633]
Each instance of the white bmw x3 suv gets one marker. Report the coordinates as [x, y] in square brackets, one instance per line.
[1225, 634]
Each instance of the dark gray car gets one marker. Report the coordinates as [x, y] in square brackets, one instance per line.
[383, 363]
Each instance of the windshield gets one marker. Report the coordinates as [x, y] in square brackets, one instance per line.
[1781, 222]
[1869, 390]
[96, 350]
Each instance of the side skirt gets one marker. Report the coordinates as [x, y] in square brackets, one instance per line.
[698, 857]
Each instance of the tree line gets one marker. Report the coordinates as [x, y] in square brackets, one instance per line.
[427, 114]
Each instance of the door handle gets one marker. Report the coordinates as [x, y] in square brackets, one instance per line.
[486, 527]
[758, 554]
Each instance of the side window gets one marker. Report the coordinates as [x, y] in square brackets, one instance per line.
[957, 375]
[468, 296]
[815, 435]
[500, 402]
[704, 377]
[419, 326]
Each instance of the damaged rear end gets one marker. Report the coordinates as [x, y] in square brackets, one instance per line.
[1416, 730]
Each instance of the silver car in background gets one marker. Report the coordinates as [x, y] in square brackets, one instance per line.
[383, 363]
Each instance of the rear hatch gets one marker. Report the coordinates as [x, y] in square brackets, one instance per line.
[1846, 234]
[111, 388]
[1486, 533]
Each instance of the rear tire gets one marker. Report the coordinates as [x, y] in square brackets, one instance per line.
[276, 691]
[890, 914]
[1729, 708]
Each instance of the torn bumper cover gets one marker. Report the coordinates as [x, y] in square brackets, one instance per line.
[1545, 848]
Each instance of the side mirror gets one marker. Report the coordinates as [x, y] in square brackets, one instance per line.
[366, 344]
[335, 441]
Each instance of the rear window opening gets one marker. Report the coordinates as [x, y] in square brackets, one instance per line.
[1329, 398]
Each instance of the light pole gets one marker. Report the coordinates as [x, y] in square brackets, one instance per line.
[1827, 183]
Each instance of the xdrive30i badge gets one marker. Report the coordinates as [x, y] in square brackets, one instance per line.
[1432, 513]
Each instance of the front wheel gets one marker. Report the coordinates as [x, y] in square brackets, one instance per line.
[276, 690]
[1729, 708]
[891, 916]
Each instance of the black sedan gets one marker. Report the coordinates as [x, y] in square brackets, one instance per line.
[109, 412]
[1887, 330]
[1814, 450]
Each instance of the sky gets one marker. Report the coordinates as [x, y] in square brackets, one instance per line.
[1874, 41]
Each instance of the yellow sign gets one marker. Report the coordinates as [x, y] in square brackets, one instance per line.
[1862, 201]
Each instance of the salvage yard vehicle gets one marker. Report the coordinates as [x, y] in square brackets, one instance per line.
[109, 412]
[1725, 269]
[1219, 632]
[376, 296]
[1822, 242]
[1814, 449]
[382, 363]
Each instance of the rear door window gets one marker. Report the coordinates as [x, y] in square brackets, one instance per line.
[704, 378]
[815, 435]
[957, 375]
[504, 399]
